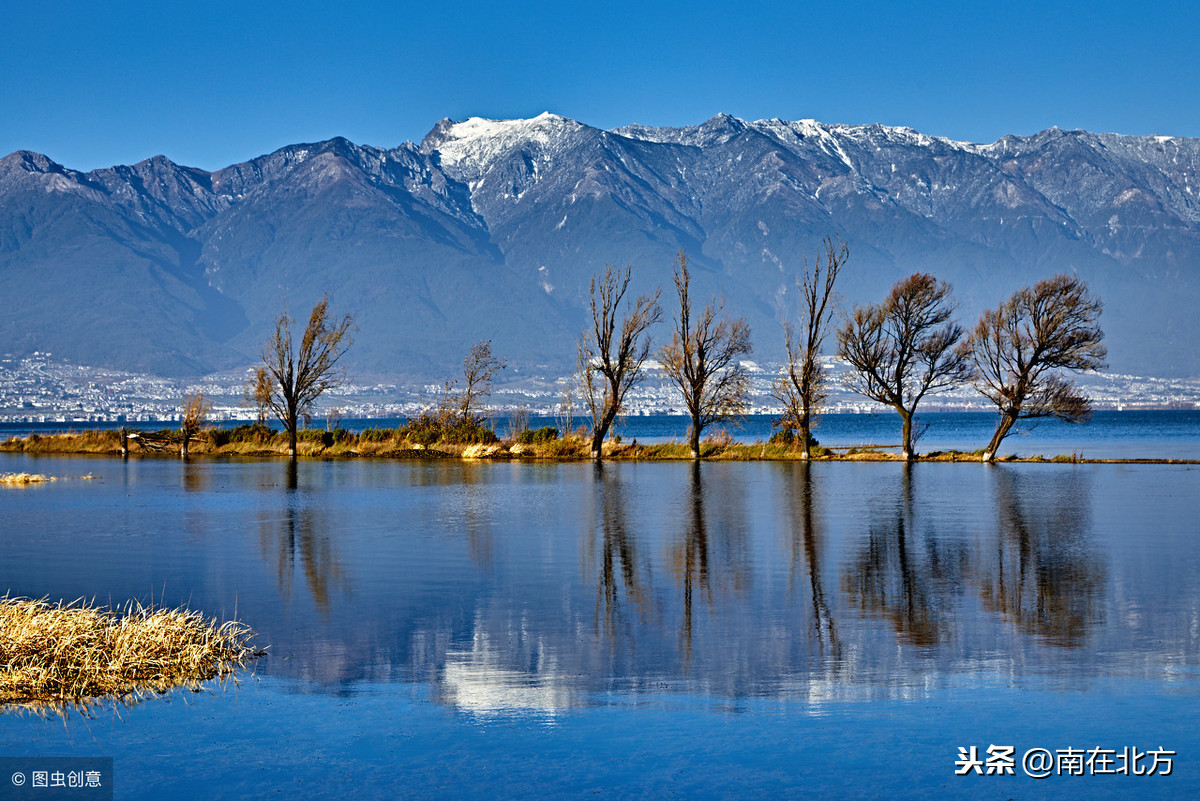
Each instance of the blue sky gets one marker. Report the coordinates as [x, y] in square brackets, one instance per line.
[99, 83]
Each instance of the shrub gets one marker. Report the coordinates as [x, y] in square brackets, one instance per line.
[325, 438]
[376, 435]
[426, 430]
[790, 438]
[256, 433]
[538, 436]
[424, 436]
[218, 437]
[468, 432]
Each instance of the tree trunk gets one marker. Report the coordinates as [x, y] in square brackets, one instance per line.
[183, 448]
[694, 437]
[600, 432]
[1002, 428]
[805, 425]
[292, 442]
[906, 445]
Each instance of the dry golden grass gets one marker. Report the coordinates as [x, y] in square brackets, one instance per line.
[61, 656]
[74, 442]
[23, 479]
[392, 444]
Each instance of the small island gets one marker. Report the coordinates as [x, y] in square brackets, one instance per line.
[54, 657]
[425, 438]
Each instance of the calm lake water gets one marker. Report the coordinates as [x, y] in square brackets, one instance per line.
[457, 629]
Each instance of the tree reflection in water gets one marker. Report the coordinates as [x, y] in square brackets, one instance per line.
[805, 546]
[619, 568]
[691, 559]
[1044, 576]
[469, 506]
[712, 557]
[904, 575]
[195, 477]
[301, 532]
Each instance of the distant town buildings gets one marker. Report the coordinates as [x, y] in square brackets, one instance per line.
[42, 389]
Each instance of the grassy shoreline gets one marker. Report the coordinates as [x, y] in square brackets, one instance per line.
[258, 442]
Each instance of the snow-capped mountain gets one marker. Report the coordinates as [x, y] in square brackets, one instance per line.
[493, 229]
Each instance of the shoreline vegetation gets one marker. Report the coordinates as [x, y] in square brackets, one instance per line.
[56, 657]
[419, 440]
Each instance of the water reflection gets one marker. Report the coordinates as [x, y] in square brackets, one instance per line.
[195, 477]
[805, 545]
[506, 587]
[301, 532]
[904, 573]
[1043, 575]
[911, 551]
[465, 505]
[621, 575]
[481, 679]
[709, 560]
[690, 559]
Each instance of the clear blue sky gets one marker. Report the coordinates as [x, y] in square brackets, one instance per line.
[209, 84]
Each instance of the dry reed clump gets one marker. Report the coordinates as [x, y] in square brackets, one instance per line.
[23, 479]
[481, 451]
[70, 655]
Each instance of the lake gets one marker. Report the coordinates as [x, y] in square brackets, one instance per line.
[456, 629]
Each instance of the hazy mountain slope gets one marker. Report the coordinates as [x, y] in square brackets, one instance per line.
[101, 280]
[493, 229]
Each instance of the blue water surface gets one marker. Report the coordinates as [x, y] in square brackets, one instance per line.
[457, 629]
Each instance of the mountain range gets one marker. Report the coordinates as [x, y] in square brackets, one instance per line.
[493, 229]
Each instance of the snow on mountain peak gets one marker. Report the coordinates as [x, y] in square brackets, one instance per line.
[469, 148]
[717, 130]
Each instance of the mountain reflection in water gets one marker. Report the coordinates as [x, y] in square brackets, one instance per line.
[533, 589]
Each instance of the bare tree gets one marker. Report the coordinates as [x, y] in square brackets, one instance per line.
[196, 408]
[479, 367]
[1019, 349]
[703, 358]
[904, 349]
[566, 409]
[802, 390]
[611, 358]
[298, 378]
[258, 393]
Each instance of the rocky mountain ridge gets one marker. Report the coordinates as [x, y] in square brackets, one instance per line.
[493, 229]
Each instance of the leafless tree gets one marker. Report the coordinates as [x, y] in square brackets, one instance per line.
[518, 422]
[479, 367]
[1019, 349]
[703, 359]
[258, 393]
[904, 349]
[802, 390]
[566, 409]
[611, 357]
[299, 377]
[196, 408]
